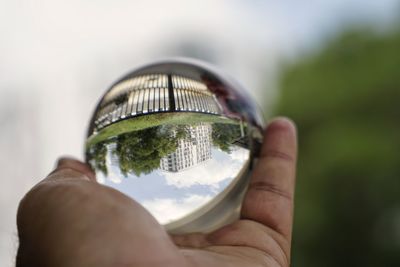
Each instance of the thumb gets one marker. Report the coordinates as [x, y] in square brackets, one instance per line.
[67, 167]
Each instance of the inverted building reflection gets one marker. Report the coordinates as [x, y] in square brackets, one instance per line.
[173, 169]
[170, 148]
[155, 93]
[169, 143]
[176, 137]
[191, 150]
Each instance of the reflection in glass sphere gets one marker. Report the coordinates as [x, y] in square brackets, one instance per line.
[180, 139]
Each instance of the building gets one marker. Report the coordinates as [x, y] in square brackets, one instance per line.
[191, 151]
[154, 93]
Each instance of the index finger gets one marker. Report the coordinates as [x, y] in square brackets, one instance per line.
[269, 199]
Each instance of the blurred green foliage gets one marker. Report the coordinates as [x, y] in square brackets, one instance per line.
[345, 99]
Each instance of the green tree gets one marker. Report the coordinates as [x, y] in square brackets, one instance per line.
[224, 134]
[345, 99]
[140, 152]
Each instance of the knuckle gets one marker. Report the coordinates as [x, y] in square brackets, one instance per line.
[279, 155]
[267, 187]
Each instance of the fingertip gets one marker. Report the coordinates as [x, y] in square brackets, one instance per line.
[67, 162]
[280, 135]
[282, 124]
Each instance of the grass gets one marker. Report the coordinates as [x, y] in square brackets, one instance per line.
[152, 120]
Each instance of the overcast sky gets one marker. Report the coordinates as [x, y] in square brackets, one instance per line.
[57, 57]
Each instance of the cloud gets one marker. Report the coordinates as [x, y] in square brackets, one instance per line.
[240, 154]
[111, 179]
[100, 177]
[166, 210]
[115, 178]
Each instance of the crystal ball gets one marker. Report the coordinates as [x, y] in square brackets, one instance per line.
[179, 137]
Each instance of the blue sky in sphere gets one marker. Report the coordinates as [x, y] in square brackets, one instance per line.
[170, 195]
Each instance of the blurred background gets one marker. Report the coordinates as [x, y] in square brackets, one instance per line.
[333, 66]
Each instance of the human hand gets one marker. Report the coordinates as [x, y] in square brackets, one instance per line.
[70, 220]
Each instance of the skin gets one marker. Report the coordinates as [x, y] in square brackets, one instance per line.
[68, 219]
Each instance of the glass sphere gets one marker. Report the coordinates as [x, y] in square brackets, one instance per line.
[180, 138]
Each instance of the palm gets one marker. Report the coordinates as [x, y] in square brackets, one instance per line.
[233, 248]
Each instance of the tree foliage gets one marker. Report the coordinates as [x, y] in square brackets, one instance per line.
[224, 134]
[345, 99]
[140, 152]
